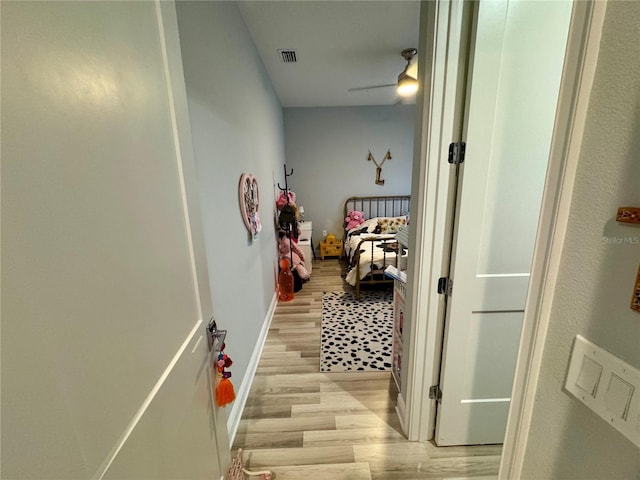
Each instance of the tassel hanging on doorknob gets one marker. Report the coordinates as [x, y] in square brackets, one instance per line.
[225, 394]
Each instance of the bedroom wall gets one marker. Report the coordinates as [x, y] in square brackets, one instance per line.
[328, 147]
[236, 123]
[599, 265]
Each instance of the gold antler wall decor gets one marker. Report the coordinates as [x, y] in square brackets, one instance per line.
[370, 158]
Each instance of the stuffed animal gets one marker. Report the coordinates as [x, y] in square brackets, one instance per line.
[285, 248]
[354, 219]
[281, 201]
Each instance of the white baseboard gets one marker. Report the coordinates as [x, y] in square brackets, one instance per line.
[233, 421]
[401, 412]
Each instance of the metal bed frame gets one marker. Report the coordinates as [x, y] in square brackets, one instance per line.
[374, 206]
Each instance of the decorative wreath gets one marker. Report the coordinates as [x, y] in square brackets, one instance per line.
[249, 203]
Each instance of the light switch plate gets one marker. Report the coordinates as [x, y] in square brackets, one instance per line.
[618, 396]
[589, 376]
[607, 385]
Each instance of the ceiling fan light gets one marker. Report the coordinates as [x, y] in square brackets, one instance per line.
[407, 85]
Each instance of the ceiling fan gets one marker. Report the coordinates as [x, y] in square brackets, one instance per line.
[407, 84]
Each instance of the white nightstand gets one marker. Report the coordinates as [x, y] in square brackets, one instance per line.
[304, 242]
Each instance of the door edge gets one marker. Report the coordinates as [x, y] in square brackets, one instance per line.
[444, 26]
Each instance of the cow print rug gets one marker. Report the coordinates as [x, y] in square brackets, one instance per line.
[356, 335]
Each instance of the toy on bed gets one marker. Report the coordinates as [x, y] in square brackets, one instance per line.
[293, 252]
[354, 219]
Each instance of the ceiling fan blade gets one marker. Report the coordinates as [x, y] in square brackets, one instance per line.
[358, 89]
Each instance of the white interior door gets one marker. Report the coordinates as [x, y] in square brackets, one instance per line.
[515, 68]
[104, 364]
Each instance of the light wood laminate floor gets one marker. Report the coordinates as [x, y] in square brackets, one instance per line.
[303, 424]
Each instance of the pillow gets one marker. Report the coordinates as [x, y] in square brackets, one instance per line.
[391, 224]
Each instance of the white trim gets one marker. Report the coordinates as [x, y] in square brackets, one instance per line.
[418, 301]
[501, 275]
[195, 347]
[580, 63]
[178, 152]
[443, 25]
[485, 400]
[401, 412]
[233, 421]
[104, 467]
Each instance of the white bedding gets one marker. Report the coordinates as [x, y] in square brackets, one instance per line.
[381, 258]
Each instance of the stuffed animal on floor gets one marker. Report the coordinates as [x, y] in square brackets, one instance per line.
[354, 219]
[285, 248]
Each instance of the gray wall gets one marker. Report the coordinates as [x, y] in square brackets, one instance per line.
[236, 123]
[596, 275]
[328, 148]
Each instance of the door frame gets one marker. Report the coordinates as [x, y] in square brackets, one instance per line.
[443, 47]
[442, 26]
[581, 58]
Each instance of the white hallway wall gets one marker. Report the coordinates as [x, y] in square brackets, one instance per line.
[328, 147]
[236, 125]
[597, 273]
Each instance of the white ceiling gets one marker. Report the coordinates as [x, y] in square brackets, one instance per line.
[339, 45]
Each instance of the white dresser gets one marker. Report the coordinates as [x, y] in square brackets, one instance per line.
[304, 242]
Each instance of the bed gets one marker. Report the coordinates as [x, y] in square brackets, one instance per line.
[372, 246]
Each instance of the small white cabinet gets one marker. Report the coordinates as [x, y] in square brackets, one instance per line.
[305, 244]
[399, 296]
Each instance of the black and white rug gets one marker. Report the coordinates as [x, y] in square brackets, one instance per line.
[356, 335]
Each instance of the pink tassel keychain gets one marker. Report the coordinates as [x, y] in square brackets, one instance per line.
[225, 394]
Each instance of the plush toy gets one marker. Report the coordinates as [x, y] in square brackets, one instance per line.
[354, 219]
[281, 201]
[285, 247]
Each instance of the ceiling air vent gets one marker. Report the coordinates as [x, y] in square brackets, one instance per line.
[288, 56]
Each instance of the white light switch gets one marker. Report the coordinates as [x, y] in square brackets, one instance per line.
[589, 376]
[607, 385]
[618, 396]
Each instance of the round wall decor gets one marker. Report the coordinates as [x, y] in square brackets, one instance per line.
[249, 203]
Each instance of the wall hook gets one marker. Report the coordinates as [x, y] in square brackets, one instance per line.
[286, 175]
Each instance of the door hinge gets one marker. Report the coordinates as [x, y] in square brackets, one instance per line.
[456, 153]
[435, 393]
[445, 286]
